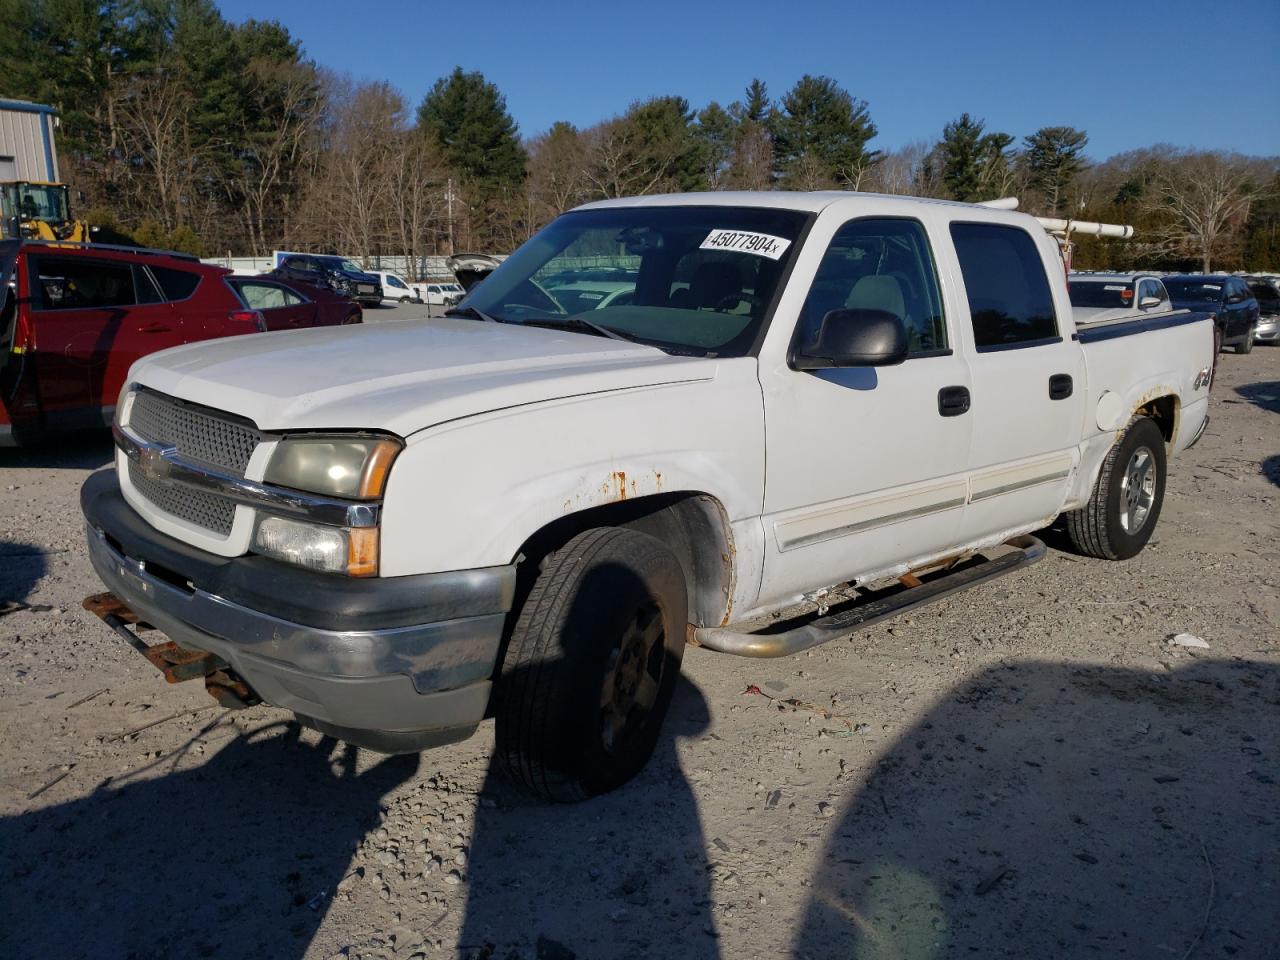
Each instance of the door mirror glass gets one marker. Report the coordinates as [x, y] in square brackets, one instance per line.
[856, 338]
[1148, 303]
[1235, 297]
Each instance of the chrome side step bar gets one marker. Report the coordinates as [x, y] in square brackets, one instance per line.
[842, 623]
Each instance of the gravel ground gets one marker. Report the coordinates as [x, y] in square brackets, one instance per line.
[1028, 769]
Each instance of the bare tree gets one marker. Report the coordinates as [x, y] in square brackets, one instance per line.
[557, 172]
[287, 95]
[416, 179]
[1208, 195]
[156, 134]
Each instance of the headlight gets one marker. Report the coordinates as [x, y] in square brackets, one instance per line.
[346, 467]
[350, 467]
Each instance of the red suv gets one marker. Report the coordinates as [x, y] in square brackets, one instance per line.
[75, 318]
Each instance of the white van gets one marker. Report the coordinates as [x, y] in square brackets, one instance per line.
[440, 294]
[396, 288]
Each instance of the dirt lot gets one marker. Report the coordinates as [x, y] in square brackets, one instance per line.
[1029, 769]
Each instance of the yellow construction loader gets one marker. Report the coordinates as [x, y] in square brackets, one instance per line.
[32, 210]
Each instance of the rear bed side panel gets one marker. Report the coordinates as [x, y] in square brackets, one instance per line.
[1127, 372]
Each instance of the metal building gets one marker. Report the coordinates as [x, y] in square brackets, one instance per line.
[26, 142]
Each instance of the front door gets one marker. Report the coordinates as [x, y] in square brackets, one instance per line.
[1029, 381]
[866, 466]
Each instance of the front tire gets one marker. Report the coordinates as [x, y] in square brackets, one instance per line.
[1122, 512]
[591, 665]
[1247, 345]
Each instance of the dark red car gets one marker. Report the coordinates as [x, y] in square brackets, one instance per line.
[75, 318]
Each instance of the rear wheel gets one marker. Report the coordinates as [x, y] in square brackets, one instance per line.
[592, 664]
[1121, 514]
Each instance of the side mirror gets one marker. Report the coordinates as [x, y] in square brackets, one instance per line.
[1235, 298]
[1148, 302]
[856, 338]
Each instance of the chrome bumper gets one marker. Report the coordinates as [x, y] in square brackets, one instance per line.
[427, 682]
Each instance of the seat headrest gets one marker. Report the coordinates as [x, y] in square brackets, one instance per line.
[877, 293]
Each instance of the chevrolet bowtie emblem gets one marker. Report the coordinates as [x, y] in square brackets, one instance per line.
[153, 463]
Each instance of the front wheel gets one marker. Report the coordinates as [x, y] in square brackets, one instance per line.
[1122, 512]
[1247, 346]
[591, 665]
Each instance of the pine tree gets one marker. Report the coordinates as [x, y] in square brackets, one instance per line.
[822, 135]
[467, 118]
[1053, 160]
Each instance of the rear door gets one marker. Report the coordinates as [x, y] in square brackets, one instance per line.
[91, 318]
[1028, 379]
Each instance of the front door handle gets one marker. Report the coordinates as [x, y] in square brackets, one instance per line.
[155, 328]
[953, 401]
[1060, 386]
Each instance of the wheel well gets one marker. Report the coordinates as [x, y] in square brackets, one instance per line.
[694, 526]
[1164, 411]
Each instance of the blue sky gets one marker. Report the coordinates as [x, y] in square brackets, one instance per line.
[1130, 74]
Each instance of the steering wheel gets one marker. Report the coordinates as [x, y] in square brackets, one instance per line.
[733, 299]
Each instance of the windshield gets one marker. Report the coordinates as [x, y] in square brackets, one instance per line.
[690, 280]
[32, 201]
[1196, 291]
[1094, 293]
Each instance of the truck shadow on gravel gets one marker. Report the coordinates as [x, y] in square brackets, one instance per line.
[623, 875]
[1043, 810]
[1265, 395]
[21, 567]
[217, 861]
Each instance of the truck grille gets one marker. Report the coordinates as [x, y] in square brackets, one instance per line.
[205, 436]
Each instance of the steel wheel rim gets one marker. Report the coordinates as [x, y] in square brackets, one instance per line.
[632, 679]
[1137, 490]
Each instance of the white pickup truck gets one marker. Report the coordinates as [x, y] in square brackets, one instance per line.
[813, 411]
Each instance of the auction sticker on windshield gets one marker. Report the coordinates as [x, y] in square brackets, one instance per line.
[743, 241]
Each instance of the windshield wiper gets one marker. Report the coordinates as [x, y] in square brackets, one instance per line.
[473, 313]
[577, 323]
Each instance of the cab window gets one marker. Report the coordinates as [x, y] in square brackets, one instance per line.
[879, 264]
[1010, 302]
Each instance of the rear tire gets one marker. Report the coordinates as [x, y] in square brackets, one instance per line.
[1122, 512]
[591, 665]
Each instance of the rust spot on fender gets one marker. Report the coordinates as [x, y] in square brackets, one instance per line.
[616, 488]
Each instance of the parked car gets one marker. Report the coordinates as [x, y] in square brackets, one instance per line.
[1266, 290]
[1115, 297]
[288, 306]
[397, 289]
[440, 294]
[1228, 298]
[77, 317]
[524, 512]
[338, 274]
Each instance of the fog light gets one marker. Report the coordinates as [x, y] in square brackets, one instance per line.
[327, 549]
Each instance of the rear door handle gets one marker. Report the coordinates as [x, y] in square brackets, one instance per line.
[953, 401]
[155, 328]
[1060, 386]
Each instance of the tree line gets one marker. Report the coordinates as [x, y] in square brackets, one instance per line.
[187, 131]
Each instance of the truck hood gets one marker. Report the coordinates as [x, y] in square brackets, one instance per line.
[403, 376]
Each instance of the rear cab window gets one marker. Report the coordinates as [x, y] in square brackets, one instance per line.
[1010, 300]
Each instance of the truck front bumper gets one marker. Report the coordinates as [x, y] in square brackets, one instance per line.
[394, 664]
